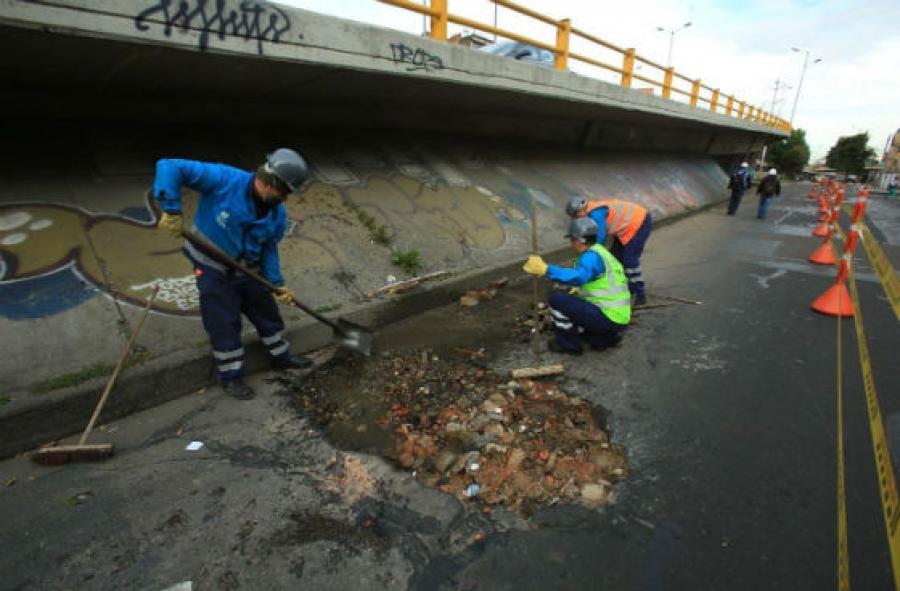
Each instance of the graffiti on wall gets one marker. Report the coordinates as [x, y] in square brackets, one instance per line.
[450, 203]
[63, 255]
[416, 59]
[256, 21]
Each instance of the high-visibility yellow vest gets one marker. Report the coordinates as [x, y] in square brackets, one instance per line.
[623, 219]
[609, 291]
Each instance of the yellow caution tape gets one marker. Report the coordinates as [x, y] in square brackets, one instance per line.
[886, 483]
[842, 554]
[883, 268]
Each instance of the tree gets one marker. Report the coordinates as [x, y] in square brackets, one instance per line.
[851, 154]
[791, 154]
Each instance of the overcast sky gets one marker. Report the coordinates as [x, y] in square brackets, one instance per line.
[740, 47]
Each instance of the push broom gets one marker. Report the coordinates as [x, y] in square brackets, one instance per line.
[83, 451]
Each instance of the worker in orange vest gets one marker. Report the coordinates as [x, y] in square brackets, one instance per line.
[630, 224]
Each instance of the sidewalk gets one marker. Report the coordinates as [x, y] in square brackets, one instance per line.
[79, 254]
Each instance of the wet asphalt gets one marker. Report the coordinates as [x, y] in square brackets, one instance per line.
[726, 410]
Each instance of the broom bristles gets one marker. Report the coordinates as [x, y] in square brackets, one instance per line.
[62, 454]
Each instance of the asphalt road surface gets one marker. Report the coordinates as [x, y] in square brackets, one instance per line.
[727, 410]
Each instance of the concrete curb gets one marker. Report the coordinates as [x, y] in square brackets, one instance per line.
[41, 418]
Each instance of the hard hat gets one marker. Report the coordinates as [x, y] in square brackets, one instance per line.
[581, 228]
[773, 171]
[744, 165]
[576, 204]
[288, 166]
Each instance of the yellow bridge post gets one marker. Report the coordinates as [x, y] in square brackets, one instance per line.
[561, 61]
[667, 83]
[713, 102]
[439, 22]
[628, 67]
[695, 92]
[729, 106]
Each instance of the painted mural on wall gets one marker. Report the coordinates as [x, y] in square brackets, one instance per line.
[449, 204]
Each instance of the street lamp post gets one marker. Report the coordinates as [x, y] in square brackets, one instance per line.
[671, 33]
[802, 74]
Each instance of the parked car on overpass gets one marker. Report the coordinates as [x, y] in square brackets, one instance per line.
[520, 51]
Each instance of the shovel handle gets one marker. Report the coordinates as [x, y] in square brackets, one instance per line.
[223, 258]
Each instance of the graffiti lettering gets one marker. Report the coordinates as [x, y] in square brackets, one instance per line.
[418, 58]
[254, 20]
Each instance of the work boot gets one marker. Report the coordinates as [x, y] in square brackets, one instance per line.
[554, 346]
[301, 362]
[238, 389]
[613, 341]
[640, 300]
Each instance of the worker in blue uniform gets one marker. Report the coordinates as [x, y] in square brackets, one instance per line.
[599, 308]
[242, 214]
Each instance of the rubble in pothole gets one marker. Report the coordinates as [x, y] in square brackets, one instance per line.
[465, 430]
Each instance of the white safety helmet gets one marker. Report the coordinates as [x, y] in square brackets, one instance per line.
[772, 171]
[744, 165]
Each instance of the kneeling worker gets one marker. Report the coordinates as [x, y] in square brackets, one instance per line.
[243, 215]
[629, 223]
[602, 307]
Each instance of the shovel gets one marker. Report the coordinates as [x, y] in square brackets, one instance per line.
[351, 336]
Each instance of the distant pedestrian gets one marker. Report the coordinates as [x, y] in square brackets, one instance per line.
[738, 183]
[768, 188]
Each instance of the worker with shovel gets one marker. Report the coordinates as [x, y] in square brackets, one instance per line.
[240, 214]
[600, 309]
[629, 223]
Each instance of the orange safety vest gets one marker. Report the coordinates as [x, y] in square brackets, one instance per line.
[623, 218]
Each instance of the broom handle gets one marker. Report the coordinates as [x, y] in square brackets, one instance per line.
[115, 373]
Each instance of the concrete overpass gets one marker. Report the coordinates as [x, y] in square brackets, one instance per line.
[441, 148]
[276, 66]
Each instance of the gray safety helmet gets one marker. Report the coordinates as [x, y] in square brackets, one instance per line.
[582, 228]
[287, 166]
[576, 203]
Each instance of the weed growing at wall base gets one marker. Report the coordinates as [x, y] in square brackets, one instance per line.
[408, 260]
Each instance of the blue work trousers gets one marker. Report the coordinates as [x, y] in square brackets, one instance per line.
[224, 296]
[735, 202]
[630, 256]
[575, 319]
[764, 201]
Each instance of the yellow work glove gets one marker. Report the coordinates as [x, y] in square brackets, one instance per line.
[284, 296]
[171, 223]
[574, 291]
[535, 265]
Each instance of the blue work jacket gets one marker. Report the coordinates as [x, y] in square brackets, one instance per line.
[589, 267]
[226, 213]
[599, 216]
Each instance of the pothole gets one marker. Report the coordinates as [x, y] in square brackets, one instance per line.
[454, 422]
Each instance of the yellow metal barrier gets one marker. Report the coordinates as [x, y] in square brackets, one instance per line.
[440, 17]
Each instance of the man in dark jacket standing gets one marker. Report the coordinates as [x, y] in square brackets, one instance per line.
[769, 187]
[738, 183]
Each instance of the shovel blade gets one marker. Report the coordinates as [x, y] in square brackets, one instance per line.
[354, 337]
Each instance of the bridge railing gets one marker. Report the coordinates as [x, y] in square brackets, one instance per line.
[669, 82]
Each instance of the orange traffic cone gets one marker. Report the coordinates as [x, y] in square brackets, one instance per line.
[836, 299]
[823, 255]
[822, 230]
